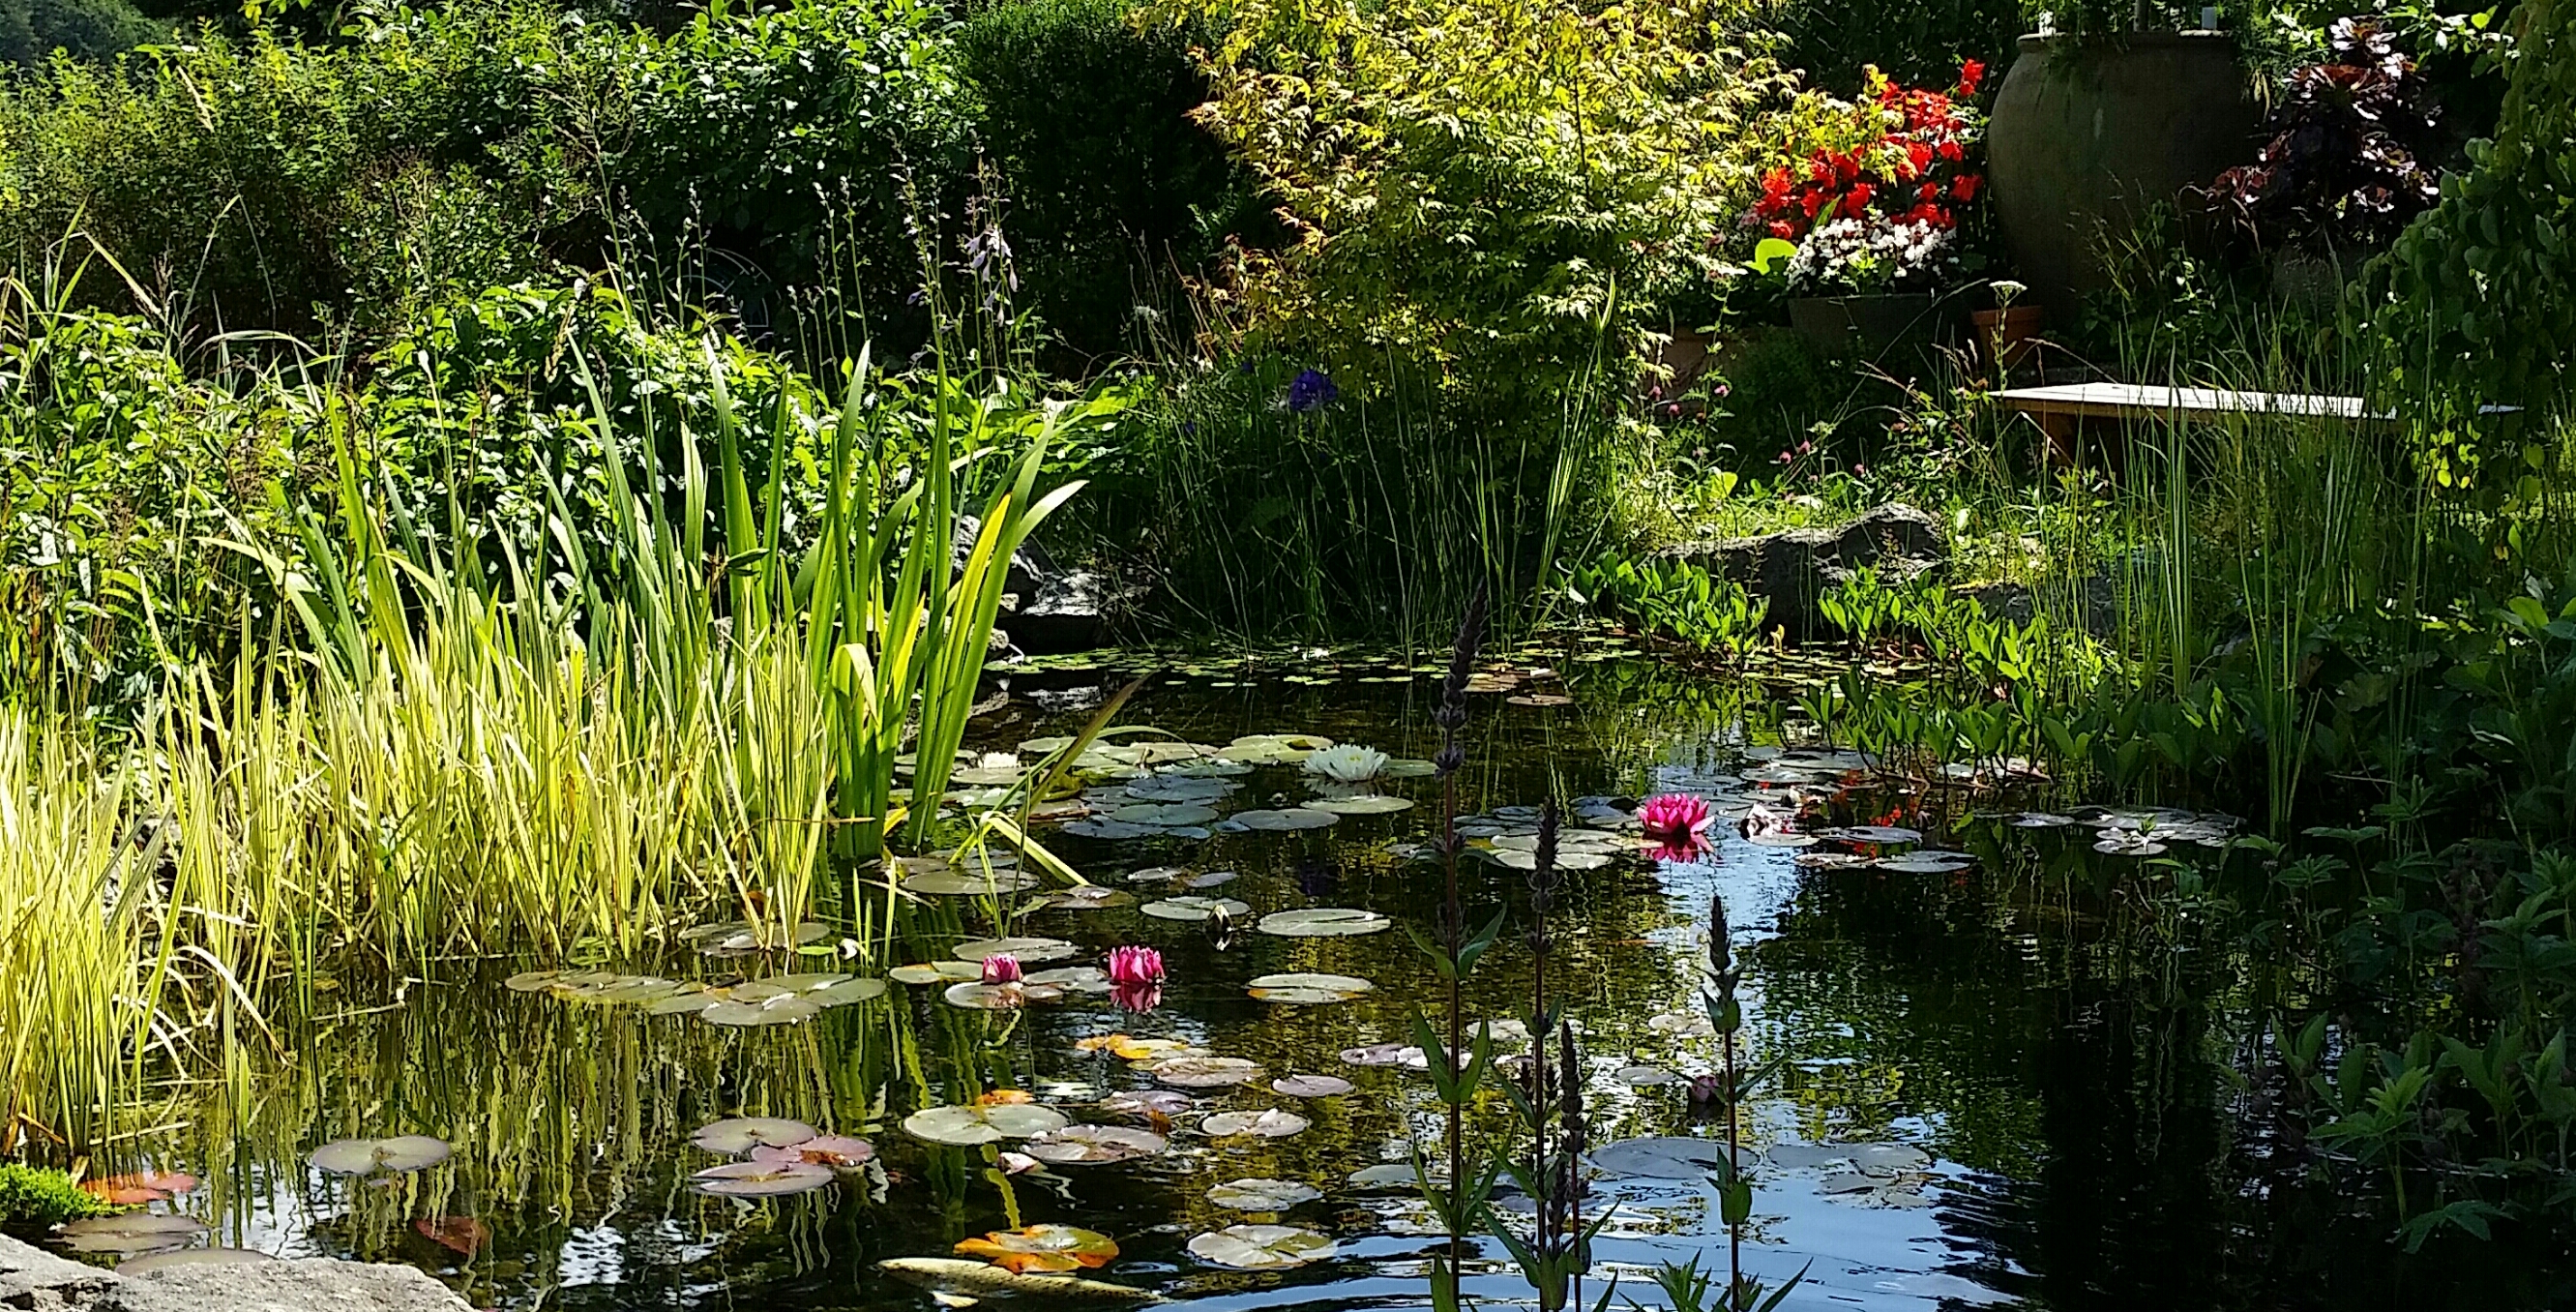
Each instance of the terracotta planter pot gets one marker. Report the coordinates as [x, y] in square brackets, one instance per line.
[2088, 133]
[1868, 325]
[2010, 335]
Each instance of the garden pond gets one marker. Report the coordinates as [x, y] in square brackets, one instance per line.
[2003, 1077]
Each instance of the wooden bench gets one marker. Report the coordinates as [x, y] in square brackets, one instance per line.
[2060, 411]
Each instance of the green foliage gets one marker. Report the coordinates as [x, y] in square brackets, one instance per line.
[1112, 189]
[32, 30]
[34, 1200]
[2478, 298]
[1916, 42]
[1675, 599]
[1482, 194]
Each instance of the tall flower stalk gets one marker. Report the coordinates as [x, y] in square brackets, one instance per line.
[1734, 1191]
[1549, 1101]
[1455, 1067]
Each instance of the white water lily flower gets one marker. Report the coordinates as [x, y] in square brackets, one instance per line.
[1348, 763]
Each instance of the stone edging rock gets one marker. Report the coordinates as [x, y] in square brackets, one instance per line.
[34, 1279]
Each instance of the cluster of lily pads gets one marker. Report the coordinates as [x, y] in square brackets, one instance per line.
[772, 1000]
[2136, 831]
[1186, 791]
[774, 1157]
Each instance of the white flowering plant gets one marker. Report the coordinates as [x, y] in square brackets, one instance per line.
[1871, 253]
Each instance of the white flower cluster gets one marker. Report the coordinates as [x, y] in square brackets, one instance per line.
[1867, 253]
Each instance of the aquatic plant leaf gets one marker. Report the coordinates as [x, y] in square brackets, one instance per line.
[781, 1010]
[2041, 820]
[1388, 1054]
[965, 1126]
[1781, 838]
[1206, 1072]
[1212, 879]
[1128, 1048]
[1268, 1123]
[1075, 979]
[741, 1134]
[1880, 834]
[1284, 820]
[837, 1151]
[1643, 1075]
[1512, 858]
[687, 1002]
[1262, 1195]
[187, 1258]
[1146, 1103]
[977, 996]
[1322, 922]
[1093, 1145]
[1682, 1024]
[1308, 989]
[937, 972]
[760, 1179]
[1196, 908]
[1395, 1175]
[1042, 1248]
[1086, 897]
[1823, 860]
[969, 883]
[1365, 804]
[1028, 951]
[129, 1234]
[1164, 815]
[1311, 1086]
[779, 986]
[410, 1152]
[532, 981]
[1919, 864]
[463, 1234]
[847, 992]
[1261, 1247]
[1662, 1158]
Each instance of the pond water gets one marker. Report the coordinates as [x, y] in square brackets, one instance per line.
[1996, 1087]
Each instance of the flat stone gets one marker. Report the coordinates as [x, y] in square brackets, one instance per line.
[34, 1279]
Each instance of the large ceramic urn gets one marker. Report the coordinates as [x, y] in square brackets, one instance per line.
[2090, 132]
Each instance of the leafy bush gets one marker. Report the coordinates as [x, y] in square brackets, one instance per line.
[2341, 167]
[1112, 189]
[1675, 599]
[1481, 194]
[2478, 298]
[34, 1200]
[1834, 43]
[32, 30]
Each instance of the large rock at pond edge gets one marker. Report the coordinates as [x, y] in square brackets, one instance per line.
[1045, 609]
[1791, 569]
[32, 1278]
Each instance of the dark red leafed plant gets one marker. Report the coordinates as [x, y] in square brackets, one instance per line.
[2338, 170]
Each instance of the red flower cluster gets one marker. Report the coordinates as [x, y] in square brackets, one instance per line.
[1909, 168]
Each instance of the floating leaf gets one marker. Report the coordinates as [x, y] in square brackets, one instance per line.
[463, 1234]
[532, 981]
[137, 1233]
[1262, 1195]
[1261, 1247]
[847, 992]
[410, 1152]
[1086, 897]
[761, 1179]
[1128, 1048]
[1682, 1024]
[1268, 1123]
[1196, 908]
[1396, 1175]
[1000, 997]
[1881, 834]
[1147, 1103]
[1322, 922]
[974, 1125]
[1075, 979]
[1663, 1158]
[969, 883]
[937, 972]
[1292, 818]
[1028, 951]
[1364, 804]
[190, 1257]
[1164, 815]
[1308, 989]
[785, 1009]
[1206, 1072]
[1388, 1054]
[1919, 864]
[1311, 1086]
[1042, 1248]
[779, 986]
[740, 1135]
[1093, 1145]
[1642, 1075]
[831, 1150]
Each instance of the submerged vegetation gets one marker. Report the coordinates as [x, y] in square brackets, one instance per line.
[529, 538]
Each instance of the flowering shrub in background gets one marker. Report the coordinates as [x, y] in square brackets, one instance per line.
[1873, 194]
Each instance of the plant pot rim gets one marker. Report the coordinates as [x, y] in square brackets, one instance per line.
[2037, 42]
[1869, 296]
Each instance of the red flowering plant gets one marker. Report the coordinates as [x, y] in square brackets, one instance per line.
[1878, 193]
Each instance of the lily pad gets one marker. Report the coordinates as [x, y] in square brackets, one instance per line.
[1072, 979]
[1919, 864]
[1311, 1086]
[1364, 804]
[1395, 1175]
[978, 996]
[761, 1179]
[1042, 1248]
[1662, 1158]
[1388, 1054]
[937, 972]
[1322, 922]
[531, 981]
[847, 992]
[1261, 1247]
[1027, 951]
[128, 1235]
[1308, 990]
[779, 986]
[1281, 821]
[1513, 858]
[782, 1010]
[1262, 1195]
[969, 883]
[1093, 1145]
[1146, 1103]
[1644, 1076]
[1269, 1123]
[1875, 834]
[1206, 1072]
[410, 1152]
[1086, 897]
[190, 1257]
[1164, 815]
[1193, 907]
[740, 1135]
[965, 1126]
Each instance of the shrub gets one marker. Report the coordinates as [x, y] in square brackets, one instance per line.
[32, 30]
[1481, 193]
[34, 1200]
[1112, 189]
[2341, 167]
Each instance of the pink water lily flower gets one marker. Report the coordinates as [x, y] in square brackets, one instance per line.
[1134, 966]
[1002, 968]
[1674, 817]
